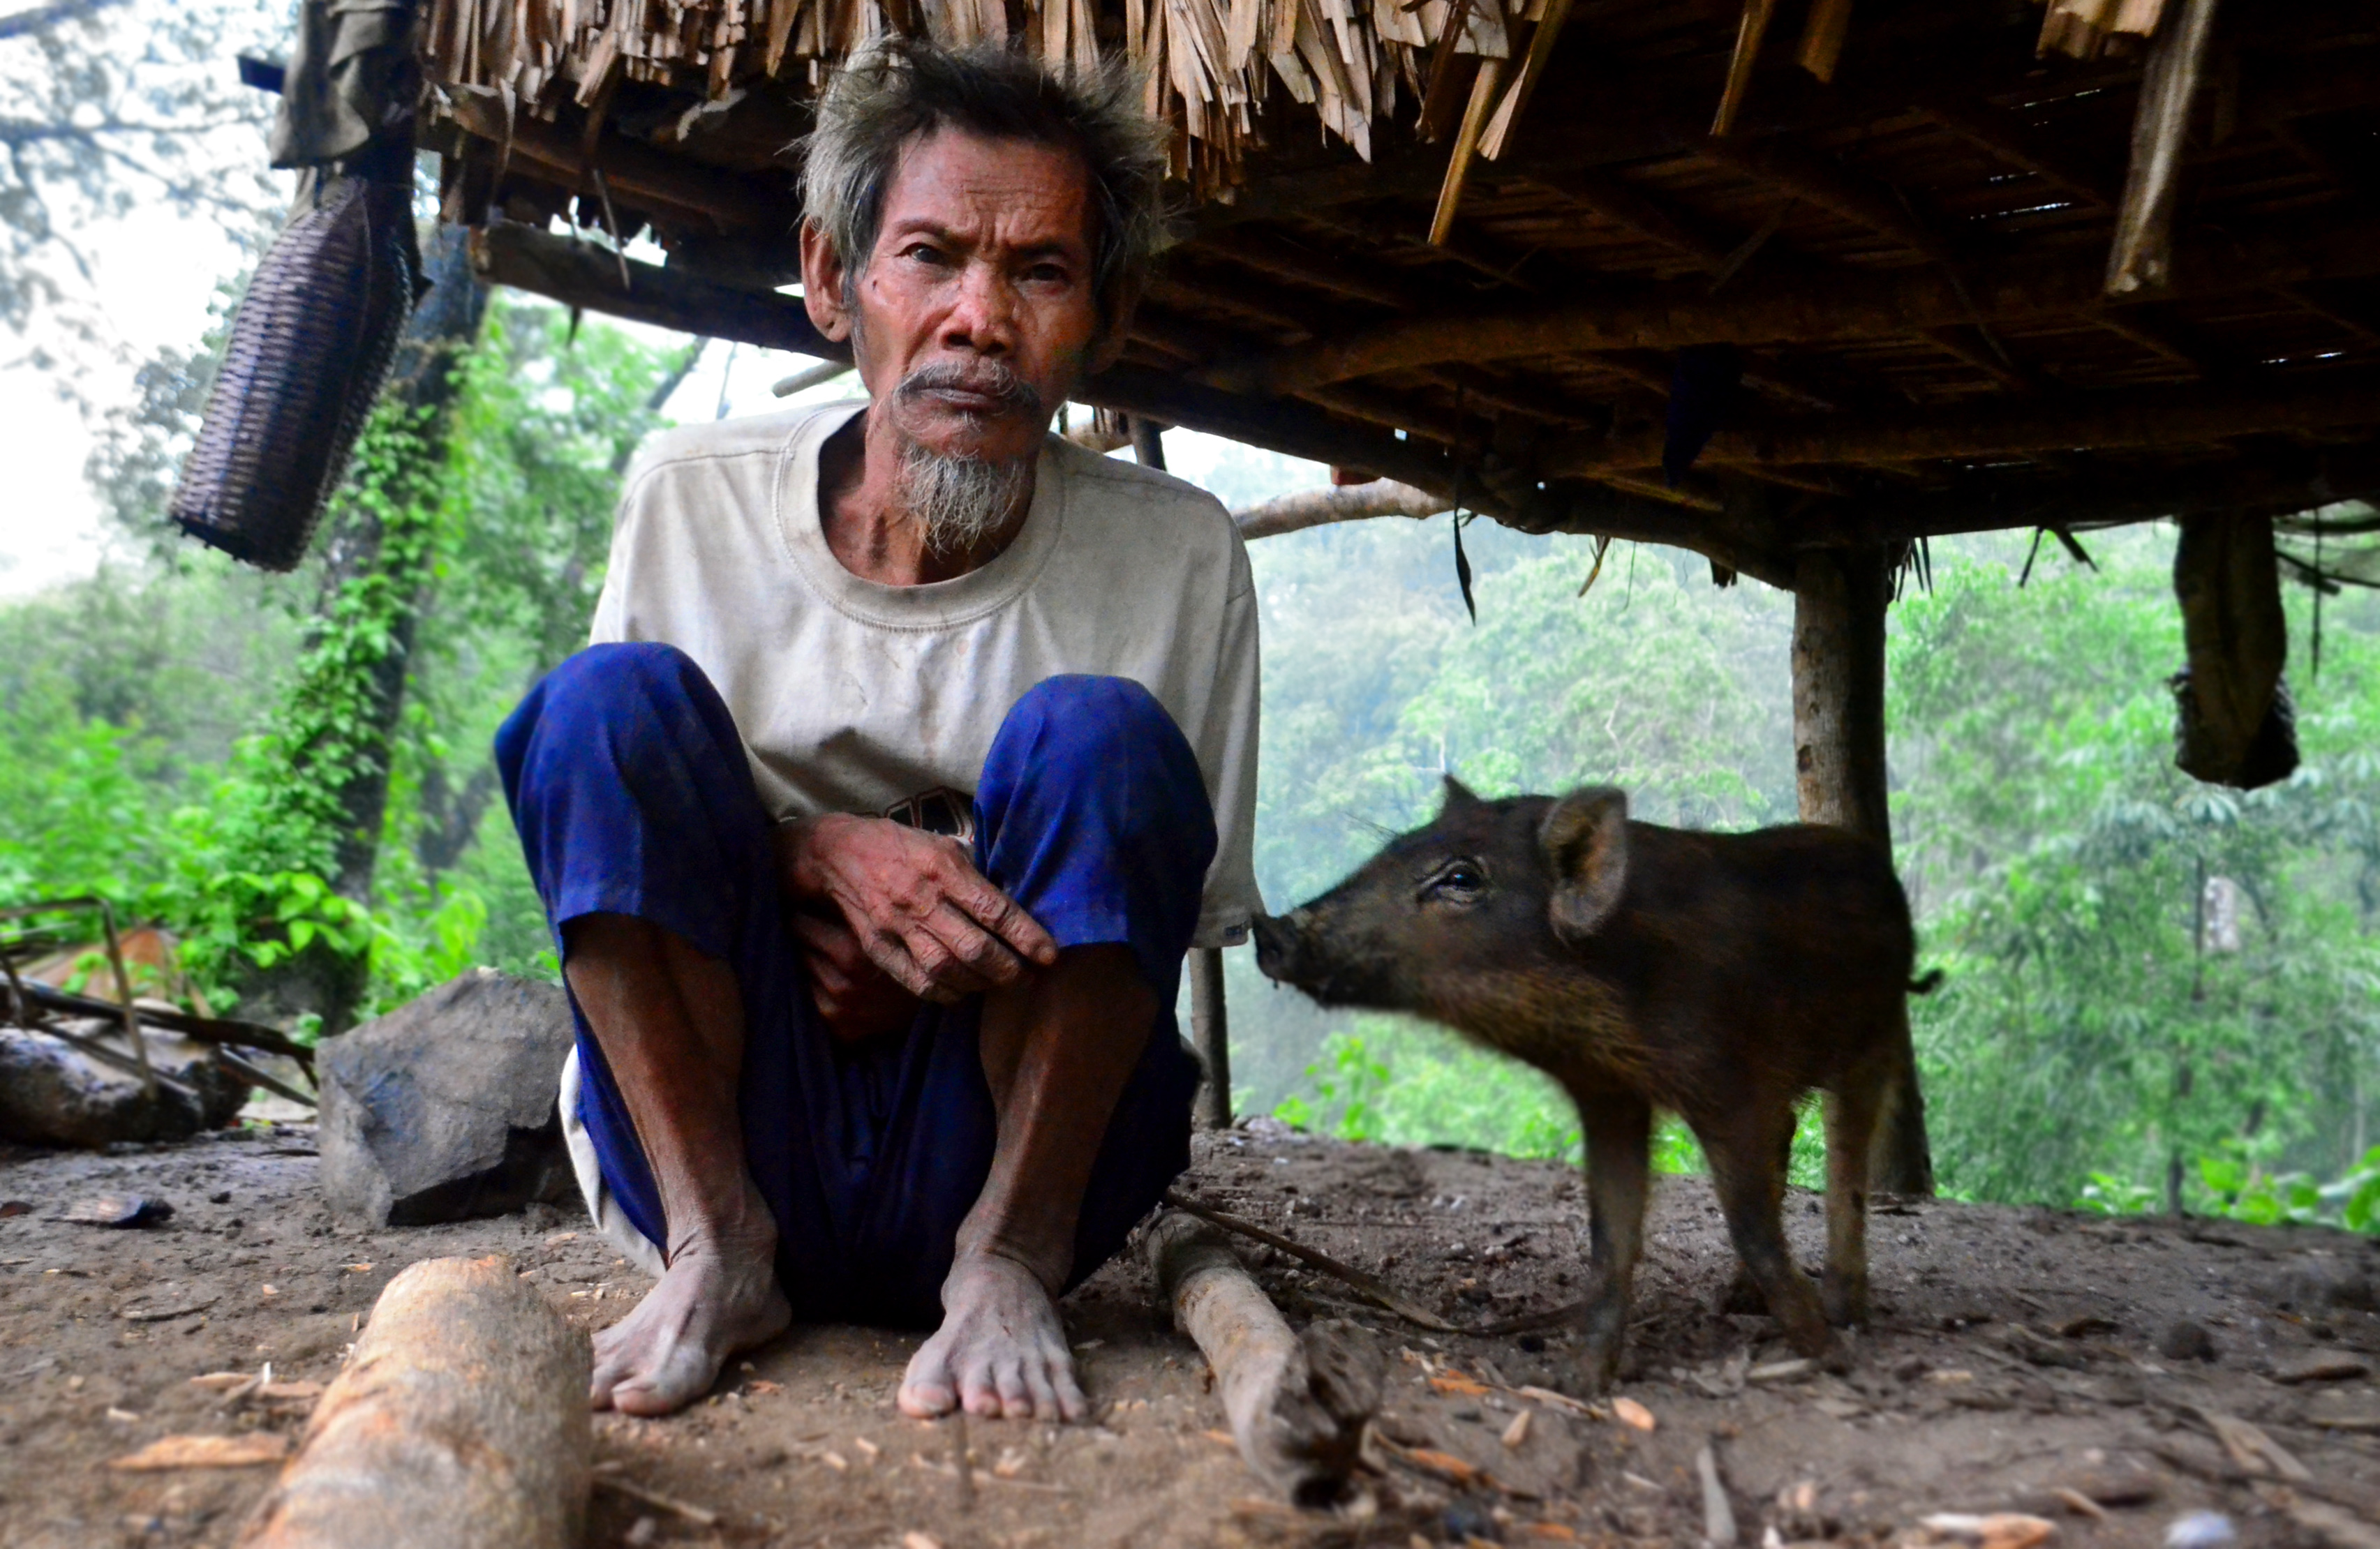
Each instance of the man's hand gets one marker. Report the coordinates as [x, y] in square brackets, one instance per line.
[914, 906]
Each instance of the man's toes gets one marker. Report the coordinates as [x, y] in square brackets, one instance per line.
[1015, 1397]
[926, 1390]
[1039, 1390]
[1072, 1406]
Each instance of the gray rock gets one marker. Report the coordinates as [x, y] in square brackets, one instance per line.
[53, 1093]
[445, 1109]
[2186, 1340]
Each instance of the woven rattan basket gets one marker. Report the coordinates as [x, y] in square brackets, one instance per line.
[309, 349]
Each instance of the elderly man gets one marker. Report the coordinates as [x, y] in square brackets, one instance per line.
[916, 747]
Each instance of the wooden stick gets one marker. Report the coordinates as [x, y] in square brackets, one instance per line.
[1316, 508]
[1466, 142]
[460, 1423]
[2143, 256]
[1748, 33]
[1822, 37]
[1297, 1407]
[1516, 101]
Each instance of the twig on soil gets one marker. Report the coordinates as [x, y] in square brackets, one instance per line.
[961, 1470]
[1371, 1288]
[701, 1517]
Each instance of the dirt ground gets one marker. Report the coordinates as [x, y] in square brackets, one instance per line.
[2021, 1361]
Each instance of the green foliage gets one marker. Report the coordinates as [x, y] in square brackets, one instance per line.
[1401, 1083]
[172, 734]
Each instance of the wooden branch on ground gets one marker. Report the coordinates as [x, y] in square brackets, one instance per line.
[461, 1422]
[1297, 1407]
[1843, 308]
[1350, 503]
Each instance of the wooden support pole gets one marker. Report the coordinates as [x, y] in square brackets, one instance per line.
[1211, 1030]
[460, 1423]
[1839, 603]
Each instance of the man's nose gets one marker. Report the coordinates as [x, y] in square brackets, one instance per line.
[982, 318]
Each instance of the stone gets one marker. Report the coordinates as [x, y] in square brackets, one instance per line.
[54, 1093]
[446, 1108]
[2186, 1340]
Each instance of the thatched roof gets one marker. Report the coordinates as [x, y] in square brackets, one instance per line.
[1914, 256]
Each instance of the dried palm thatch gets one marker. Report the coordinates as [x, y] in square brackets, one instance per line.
[1210, 65]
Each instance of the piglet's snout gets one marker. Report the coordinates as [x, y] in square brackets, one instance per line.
[1281, 944]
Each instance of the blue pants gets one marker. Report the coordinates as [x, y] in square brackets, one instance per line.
[629, 785]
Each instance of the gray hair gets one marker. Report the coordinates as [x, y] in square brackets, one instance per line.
[898, 91]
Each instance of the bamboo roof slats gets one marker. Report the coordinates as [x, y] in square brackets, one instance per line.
[1914, 256]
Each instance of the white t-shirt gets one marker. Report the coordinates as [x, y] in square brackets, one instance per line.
[855, 696]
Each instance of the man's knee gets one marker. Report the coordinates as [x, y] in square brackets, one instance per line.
[1114, 726]
[601, 682]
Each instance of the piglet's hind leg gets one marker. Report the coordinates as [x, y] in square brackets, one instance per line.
[1751, 1189]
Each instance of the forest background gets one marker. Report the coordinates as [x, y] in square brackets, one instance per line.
[2098, 1041]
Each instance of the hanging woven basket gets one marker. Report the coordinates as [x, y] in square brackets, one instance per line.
[310, 348]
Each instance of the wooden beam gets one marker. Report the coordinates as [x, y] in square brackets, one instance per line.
[2142, 326]
[1350, 502]
[2021, 145]
[1354, 278]
[1967, 343]
[1623, 204]
[2008, 428]
[2271, 478]
[642, 178]
[582, 274]
[1801, 309]
[1786, 164]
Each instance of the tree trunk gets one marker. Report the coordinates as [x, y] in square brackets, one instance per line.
[346, 705]
[423, 381]
[1839, 602]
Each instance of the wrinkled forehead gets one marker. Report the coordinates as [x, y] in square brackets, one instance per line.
[1028, 191]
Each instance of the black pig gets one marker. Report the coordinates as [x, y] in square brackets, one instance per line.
[1720, 976]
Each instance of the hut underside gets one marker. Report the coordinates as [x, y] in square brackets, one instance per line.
[1913, 261]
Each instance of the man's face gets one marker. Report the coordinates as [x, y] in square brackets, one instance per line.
[974, 316]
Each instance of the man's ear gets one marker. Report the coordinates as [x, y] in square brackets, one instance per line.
[823, 285]
[1457, 796]
[1585, 841]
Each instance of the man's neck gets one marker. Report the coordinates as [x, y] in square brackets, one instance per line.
[868, 528]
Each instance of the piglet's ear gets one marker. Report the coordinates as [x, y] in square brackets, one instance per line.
[1458, 796]
[1585, 841]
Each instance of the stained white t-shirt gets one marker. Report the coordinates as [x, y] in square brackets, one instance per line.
[859, 697]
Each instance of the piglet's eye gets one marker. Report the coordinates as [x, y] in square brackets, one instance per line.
[1458, 876]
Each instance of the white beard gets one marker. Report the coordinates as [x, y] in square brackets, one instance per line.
[960, 500]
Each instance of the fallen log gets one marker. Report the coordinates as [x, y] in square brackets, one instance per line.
[460, 1423]
[1297, 1407]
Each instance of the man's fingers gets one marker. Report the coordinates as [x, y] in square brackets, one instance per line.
[1003, 917]
[993, 960]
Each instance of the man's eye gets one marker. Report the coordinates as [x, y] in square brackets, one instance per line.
[923, 252]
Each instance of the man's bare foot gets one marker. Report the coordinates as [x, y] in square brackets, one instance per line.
[712, 1301]
[1001, 1351]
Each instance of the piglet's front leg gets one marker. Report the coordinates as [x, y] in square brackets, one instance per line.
[1618, 1146]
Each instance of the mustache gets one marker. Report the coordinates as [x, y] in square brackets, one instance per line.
[989, 379]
